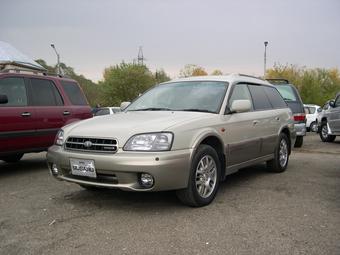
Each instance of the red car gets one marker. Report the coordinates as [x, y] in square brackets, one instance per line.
[33, 107]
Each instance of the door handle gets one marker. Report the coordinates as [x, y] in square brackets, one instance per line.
[255, 122]
[66, 113]
[26, 114]
[277, 118]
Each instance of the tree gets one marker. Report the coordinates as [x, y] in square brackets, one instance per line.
[124, 82]
[315, 86]
[192, 70]
[217, 72]
[161, 76]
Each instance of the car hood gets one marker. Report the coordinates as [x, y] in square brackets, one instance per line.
[126, 124]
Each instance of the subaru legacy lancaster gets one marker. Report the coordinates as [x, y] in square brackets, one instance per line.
[185, 135]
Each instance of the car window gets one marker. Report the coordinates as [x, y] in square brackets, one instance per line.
[260, 99]
[103, 111]
[74, 93]
[306, 110]
[311, 110]
[240, 92]
[15, 90]
[287, 92]
[44, 93]
[274, 97]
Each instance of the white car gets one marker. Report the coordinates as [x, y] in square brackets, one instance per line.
[312, 112]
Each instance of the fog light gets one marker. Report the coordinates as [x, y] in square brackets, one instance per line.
[54, 169]
[146, 180]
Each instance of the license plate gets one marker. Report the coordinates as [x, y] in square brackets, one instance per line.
[83, 167]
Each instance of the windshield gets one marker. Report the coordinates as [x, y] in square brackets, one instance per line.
[286, 92]
[202, 96]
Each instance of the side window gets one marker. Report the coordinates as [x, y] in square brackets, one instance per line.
[74, 93]
[15, 90]
[44, 93]
[240, 92]
[260, 100]
[274, 97]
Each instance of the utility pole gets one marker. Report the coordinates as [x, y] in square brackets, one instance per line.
[265, 59]
[58, 59]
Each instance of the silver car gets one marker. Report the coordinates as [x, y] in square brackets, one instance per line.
[185, 135]
[329, 127]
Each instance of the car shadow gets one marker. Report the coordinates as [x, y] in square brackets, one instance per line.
[24, 166]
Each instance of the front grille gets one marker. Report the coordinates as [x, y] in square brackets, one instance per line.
[92, 144]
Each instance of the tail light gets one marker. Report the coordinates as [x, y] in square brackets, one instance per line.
[300, 117]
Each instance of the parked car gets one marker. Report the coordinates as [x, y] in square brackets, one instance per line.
[322, 111]
[183, 135]
[329, 127]
[33, 107]
[292, 97]
[312, 112]
[107, 110]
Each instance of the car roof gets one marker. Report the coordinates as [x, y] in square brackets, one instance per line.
[311, 105]
[232, 78]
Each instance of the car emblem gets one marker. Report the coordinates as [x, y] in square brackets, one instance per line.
[87, 144]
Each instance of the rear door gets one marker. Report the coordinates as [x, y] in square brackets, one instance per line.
[49, 108]
[17, 118]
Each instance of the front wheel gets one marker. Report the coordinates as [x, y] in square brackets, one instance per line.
[204, 178]
[325, 137]
[280, 161]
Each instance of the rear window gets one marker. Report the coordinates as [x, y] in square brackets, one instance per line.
[104, 111]
[74, 93]
[287, 92]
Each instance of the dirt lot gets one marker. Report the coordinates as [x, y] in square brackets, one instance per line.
[255, 212]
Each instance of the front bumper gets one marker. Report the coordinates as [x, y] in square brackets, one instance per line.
[170, 169]
[300, 129]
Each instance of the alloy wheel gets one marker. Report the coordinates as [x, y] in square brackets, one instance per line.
[206, 176]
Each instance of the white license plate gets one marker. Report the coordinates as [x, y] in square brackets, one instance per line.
[83, 167]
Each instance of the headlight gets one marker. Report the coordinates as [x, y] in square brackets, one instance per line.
[59, 139]
[150, 142]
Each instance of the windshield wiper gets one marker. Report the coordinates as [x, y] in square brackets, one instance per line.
[196, 110]
[152, 109]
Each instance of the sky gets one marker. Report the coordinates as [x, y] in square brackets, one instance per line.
[91, 35]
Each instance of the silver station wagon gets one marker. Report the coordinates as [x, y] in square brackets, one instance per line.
[185, 135]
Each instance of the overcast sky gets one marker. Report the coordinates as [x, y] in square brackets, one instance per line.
[227, 35]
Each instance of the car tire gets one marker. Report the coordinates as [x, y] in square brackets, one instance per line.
[204, 178]
[313, 127]
[13, 158]
[280, 161]
[325, 137]
[298, 142]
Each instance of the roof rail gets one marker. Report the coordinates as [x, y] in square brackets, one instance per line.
[27, 71]
[246, 75]
[278, 81]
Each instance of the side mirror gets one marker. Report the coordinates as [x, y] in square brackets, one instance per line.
[239, 106]
[332, 103]
[3, 99]
[123, 105]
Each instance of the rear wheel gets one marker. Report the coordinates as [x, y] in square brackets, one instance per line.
[13, 158]
[298, 142]
[313, 127]
[325, 137]
[204, 178]
[280, 161]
